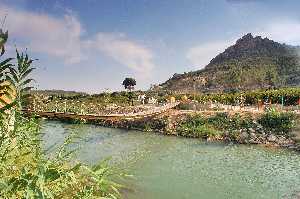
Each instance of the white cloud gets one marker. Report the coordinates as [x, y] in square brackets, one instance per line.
[62, 38]
[58, 37]
[201, 55]
[285, 31]
[125, 52]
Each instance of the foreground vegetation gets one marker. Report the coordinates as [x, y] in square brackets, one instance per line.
[26, 171]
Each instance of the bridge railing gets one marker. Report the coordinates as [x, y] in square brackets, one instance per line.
[153, 110]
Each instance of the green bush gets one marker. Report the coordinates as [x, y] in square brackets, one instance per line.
[197, 127]
[203, 131]
[287, 96]
[277, 122]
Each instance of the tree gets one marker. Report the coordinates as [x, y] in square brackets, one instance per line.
[129, 84]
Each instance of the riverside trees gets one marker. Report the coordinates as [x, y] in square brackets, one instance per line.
[129, 84]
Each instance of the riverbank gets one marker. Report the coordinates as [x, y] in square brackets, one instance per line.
[275, 130]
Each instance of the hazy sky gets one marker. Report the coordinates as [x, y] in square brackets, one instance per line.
[91, 45]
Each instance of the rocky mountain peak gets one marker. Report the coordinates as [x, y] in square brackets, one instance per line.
[249, 46]
[245, 65]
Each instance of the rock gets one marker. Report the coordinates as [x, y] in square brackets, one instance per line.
[271, 138]
[262, 139]
[253, 136]
[264, 135]
[244, 135]
[254, 141]
[281, 140]
[251, 130]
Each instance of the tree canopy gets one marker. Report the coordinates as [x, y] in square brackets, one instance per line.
[129, 83]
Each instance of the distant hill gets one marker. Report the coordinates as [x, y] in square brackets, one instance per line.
[58, 93]
[251, 63]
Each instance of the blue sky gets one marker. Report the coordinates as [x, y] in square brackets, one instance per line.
[92, 45]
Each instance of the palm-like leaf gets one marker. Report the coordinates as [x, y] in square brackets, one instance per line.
[6, 90]
[17, 75]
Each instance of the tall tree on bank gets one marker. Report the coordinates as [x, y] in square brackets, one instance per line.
[129, 84]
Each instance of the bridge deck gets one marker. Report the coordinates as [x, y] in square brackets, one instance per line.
[148, 113]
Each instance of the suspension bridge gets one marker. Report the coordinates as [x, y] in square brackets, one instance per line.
[157, 110]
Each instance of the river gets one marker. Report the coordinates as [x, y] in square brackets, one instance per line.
[165, 167]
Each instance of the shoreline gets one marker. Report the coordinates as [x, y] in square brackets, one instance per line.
[169, 122]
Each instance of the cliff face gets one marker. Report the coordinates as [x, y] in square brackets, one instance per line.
[252, 62]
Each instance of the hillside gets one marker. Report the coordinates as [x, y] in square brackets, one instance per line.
[251, 63]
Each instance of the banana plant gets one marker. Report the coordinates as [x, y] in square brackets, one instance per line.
[6, 89]
[18, 77]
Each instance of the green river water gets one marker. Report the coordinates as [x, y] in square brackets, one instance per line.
[167, 167]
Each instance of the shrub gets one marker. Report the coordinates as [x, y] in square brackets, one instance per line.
[203, 131]
[277, 122]
[197, 126]
[289, 96]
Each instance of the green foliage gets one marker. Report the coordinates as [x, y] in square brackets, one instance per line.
[222, 124]
[75, 103]
[223, 121]
[197, 127]
[277, 122]
[18, 76]
[202, 131]
[5, 89]
[14, 81]
[129, 83]
[25, 170]
[215, 126]
[252, 63]
[290, 96]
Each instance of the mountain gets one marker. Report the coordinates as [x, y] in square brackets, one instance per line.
[251, 63]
